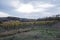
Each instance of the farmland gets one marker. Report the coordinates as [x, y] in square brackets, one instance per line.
[35, 34]
[39, 30]
[13, 28]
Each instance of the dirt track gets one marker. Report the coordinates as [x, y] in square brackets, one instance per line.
[12, 32]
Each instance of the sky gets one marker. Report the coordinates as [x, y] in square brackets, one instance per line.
[32, 9]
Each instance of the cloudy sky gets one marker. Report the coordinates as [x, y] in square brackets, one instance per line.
[29, 8]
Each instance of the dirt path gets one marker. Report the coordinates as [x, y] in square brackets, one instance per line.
[13, 32]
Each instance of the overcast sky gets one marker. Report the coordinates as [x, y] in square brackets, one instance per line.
[29, 8]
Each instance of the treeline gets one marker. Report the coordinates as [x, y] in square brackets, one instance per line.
[54, 18]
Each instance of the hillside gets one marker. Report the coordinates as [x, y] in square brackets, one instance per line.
[14, 28]
[38, 33]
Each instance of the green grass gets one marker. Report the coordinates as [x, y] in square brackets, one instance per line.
[36, 34]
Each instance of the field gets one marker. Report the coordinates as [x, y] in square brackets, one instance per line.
[30, 31]
[36, 34]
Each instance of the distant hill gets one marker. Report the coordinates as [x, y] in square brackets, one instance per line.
[3, 19]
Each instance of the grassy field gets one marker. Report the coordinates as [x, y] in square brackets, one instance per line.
[36, 34]
[31, 32]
